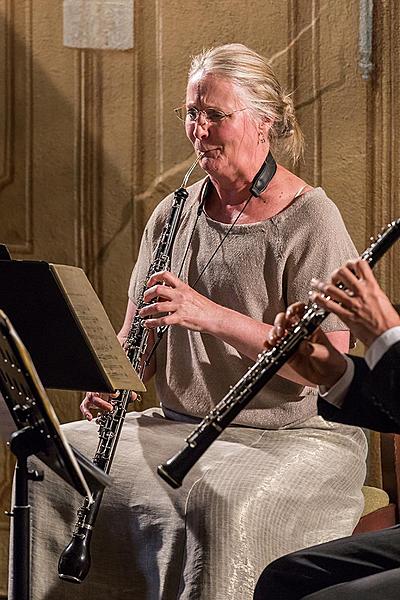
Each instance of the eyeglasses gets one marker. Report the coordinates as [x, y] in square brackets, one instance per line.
[211, 115]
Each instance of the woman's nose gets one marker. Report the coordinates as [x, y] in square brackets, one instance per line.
[200, 126]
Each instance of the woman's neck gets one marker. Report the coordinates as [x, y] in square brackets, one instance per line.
[231, 194]
[224, 203]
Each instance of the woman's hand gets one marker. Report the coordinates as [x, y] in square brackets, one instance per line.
[316, 359]
[364, 307]
[95, 401]
[172, 302]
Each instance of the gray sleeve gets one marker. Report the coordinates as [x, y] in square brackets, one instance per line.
[151, 235]
[140, 270]
[321, 244]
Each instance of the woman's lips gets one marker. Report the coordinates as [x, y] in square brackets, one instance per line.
[207, 152]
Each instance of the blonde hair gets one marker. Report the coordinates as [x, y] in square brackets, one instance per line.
[259, 88]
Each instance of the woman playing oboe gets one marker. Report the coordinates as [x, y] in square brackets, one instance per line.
[252, 235]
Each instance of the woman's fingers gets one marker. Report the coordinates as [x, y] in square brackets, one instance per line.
[159, 291]
[278, 329]
[161, 297]
[94, 400]
[157, 308]
[295, 311]
[283, 321]
[165, 277]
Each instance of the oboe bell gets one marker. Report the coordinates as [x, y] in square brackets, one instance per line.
[75, 561]
[176, 468]
[164, 473]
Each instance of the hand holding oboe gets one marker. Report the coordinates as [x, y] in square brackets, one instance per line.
[359, 302]
[316, 359]
[75, 560]
[361, 305]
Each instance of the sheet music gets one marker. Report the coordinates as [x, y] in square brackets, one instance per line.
[97, 327]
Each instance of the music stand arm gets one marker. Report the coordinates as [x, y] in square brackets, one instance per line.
[21, 513]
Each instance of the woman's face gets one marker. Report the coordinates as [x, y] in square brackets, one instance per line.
[231, 146]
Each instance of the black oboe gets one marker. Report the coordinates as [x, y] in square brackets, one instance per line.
[75, 560]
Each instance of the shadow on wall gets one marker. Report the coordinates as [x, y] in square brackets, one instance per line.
[62, 198]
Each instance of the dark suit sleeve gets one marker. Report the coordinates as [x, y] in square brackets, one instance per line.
[373, 399]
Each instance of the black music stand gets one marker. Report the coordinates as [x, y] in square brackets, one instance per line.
[64, 327]
[36, 432]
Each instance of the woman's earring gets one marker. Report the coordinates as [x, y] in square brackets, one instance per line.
[261, 137]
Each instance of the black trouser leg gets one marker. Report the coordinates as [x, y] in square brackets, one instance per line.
[382, 586]
[348, 559]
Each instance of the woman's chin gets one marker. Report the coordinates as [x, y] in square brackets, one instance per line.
[211, 164]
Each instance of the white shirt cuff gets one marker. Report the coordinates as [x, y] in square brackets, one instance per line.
[379, 346]
[336, 394]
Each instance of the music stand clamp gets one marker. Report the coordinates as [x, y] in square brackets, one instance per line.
[37, 433]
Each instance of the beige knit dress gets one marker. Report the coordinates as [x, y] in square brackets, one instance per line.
[282, 480]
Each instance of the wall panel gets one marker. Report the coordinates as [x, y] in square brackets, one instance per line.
[327, 88]
[16, 126]
[383, 174]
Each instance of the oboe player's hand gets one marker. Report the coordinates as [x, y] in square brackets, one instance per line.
[102, 402]
[173, 302]
[170, 301]
[316, 359]
[95, 401]
[362, 304]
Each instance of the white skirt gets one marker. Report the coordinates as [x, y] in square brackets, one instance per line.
[254, 496]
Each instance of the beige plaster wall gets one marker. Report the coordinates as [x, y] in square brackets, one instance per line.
[89, 143]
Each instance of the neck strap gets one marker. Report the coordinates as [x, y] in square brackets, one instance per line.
[264, 176]
[258, 186]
